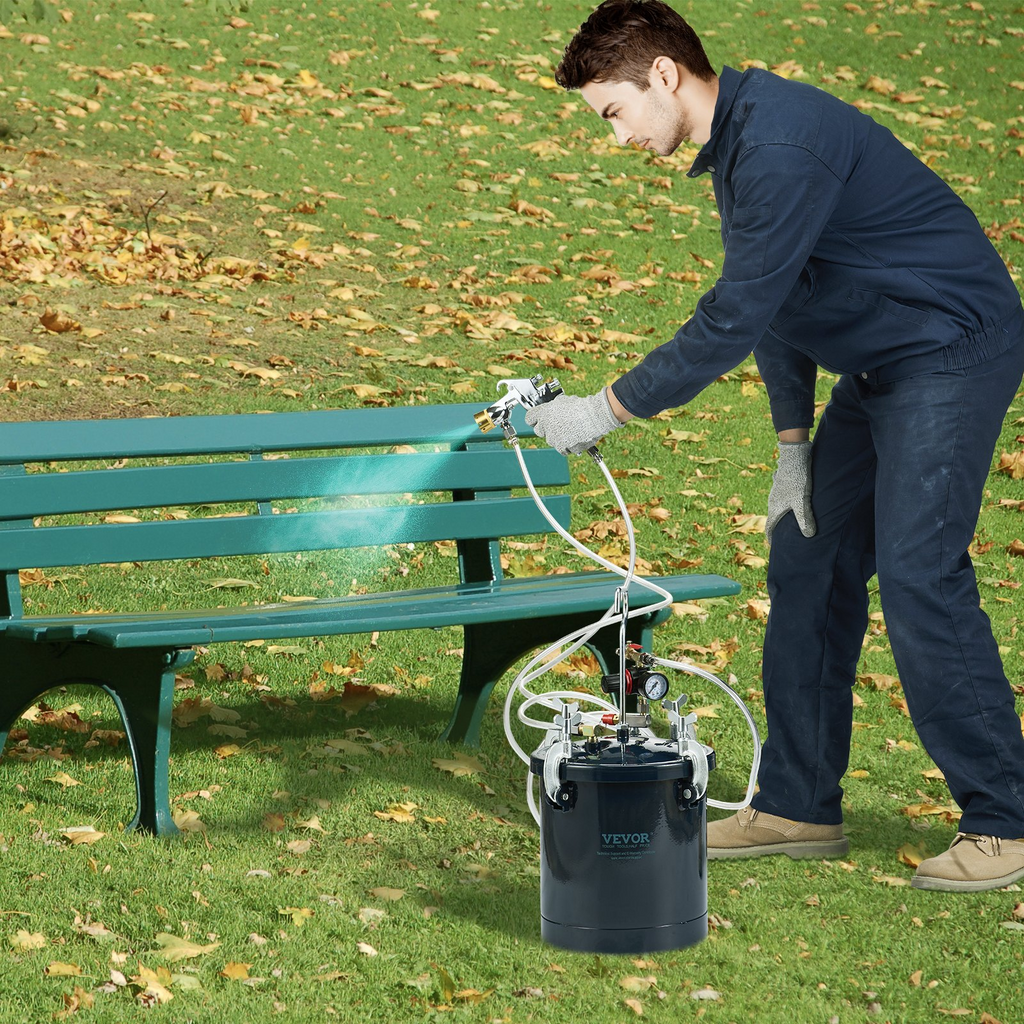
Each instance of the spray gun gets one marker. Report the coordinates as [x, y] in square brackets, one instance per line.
[525, 391]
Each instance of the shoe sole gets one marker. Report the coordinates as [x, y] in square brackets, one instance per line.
[956, 885]
[795, 851]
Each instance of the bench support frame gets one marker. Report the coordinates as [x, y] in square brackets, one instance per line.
[141, 683]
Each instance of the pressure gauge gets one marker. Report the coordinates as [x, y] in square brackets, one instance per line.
[654, 686]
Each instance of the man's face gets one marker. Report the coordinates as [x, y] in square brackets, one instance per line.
[655, 119]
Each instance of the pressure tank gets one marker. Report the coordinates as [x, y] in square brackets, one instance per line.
[623, 848]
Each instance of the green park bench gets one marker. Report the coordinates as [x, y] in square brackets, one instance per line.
[456, 485]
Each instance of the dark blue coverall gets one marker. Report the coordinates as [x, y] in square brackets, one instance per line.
[844, 251]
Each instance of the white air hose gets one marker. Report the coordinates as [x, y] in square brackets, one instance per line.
[548, 658]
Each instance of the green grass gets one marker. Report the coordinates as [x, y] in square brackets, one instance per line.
[194, 157]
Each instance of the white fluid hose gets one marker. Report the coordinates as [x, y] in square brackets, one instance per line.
[552, 655]
[694, 670]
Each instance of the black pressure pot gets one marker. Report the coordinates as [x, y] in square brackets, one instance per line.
[623, 848]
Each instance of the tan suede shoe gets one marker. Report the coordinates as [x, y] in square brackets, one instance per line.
[973, 863]
[750, 833]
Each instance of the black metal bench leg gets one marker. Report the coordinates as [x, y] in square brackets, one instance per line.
[141, 683]
[144, 696]
[489, 649]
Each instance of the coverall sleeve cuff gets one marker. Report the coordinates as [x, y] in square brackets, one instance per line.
[632, 401]
[792, 414]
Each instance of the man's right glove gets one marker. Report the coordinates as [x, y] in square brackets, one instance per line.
[572, 424]
[791, 489]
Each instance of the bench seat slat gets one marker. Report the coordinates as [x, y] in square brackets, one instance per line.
[301, 531]
[250, 432]
[160, 486]
[463, 604]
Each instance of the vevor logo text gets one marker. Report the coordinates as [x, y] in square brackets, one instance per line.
[625, 838]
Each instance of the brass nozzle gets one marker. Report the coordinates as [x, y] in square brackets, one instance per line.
[483, 420]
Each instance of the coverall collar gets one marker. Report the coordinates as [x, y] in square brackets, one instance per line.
[728, 86]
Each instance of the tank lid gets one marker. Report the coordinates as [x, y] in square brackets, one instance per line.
[641, 759]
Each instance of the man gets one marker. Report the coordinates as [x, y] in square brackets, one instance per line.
[843, 251]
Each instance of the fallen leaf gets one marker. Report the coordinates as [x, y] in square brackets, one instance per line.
[912, 856]
[632, 983]
[635, 1005]
[401, 813]
[79, 835]
[384, 893]
[22, 939]
[299, 915]
[366, 949]
[57, 322]
[188, 821]
[62, 970]
[472, 995]
[235, 971]
[461, 764]
[174, 947]
[62, 779]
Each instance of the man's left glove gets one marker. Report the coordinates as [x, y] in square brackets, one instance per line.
[572, 424]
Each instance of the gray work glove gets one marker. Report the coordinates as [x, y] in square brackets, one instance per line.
[791, 489]
[572, 424]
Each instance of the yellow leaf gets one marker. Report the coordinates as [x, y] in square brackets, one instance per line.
[682, 608]
[175, 948]
[401, 813]
[188, 821]
[912, 856]
[384, 893]
[632, 983]
[461, 764]
[891, 880]
[22, 939]
[709, 711]
[235, 971]
[82, 835]
[63, 779]
[62, 970]
[472, 995]
[153, 985]
[119, 518]
[635, 1005]
[299, 915]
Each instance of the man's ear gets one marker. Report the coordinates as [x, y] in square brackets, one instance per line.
[665, 73]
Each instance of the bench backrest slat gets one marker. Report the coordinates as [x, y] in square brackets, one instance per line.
[37, 494]
[303, 531]
[450, 425]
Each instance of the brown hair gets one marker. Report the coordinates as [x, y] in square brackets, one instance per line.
[622, 39]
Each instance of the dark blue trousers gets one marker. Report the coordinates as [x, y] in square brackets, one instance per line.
[898, 475]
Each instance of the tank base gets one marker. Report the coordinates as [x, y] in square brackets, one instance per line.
[624, 940]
